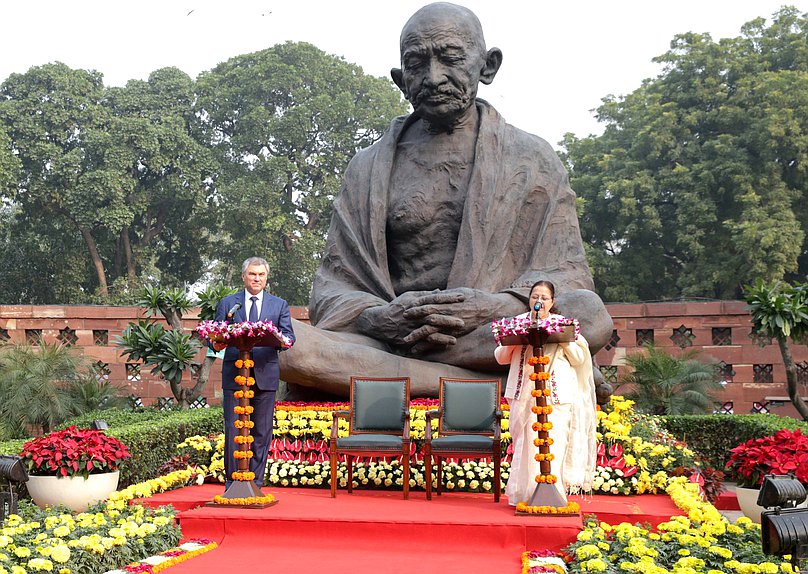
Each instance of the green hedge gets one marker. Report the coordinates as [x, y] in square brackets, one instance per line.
[151, 436]
[712, 436]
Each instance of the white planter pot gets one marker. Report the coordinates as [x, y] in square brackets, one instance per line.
[75, 492]
[747, 500]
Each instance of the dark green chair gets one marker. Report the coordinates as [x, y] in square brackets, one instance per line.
[469, 419]
[379, 425]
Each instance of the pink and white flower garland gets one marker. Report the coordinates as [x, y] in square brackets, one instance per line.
[508, 326]
[223, 331]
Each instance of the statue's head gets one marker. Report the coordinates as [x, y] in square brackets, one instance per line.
[443, 59]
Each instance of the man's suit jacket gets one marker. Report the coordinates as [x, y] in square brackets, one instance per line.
[267, 371]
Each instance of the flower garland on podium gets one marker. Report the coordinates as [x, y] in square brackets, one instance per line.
[224, 332]
[521, 326]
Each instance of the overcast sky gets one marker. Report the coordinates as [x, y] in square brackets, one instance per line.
[560, 58]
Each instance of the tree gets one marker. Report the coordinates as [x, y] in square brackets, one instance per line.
[171, 352]
[698, 182]
[284, 122]
[780, 311]
[115, 167]
[661, 384]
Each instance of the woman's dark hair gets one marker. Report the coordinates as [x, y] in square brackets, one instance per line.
[549, 286]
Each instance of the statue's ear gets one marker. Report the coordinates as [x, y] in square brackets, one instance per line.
[493, 60]
[398, 79]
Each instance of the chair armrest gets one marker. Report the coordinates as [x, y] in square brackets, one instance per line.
[498, 424]
[428, 416]
[406, 434]
[335, 416]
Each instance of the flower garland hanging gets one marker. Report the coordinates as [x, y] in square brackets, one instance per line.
[222, 331]
[509, 326]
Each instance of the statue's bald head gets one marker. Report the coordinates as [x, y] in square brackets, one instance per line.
[443, 58]
[447, 16]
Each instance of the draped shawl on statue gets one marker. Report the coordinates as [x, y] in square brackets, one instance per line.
[519, 224]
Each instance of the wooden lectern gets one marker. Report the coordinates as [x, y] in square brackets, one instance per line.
[241, 488]
[545, 494]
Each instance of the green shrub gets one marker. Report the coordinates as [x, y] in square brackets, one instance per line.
[155, 441]
[119, 417]
[152, 436]
[713, 436]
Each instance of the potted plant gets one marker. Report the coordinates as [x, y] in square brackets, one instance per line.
[74, 467]
[781, 453]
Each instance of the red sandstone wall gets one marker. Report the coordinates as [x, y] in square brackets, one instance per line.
[695, 321]
[701, 322]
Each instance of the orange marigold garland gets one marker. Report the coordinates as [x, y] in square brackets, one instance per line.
[570, 508]
[237, 475]
[249, 501]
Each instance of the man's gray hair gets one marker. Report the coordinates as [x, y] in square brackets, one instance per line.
[254, 261]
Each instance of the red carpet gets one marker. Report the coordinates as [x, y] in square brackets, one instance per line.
[379, 532]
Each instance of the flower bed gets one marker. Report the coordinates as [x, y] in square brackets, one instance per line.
[109, 534]
[636, 456]
[702, 541]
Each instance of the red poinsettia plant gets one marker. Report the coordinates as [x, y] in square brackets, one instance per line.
[73, 452]
[781, 453]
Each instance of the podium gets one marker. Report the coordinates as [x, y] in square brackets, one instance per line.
[545, 494]
[243, 492]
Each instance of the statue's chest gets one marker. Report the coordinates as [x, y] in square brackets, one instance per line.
[428, 192]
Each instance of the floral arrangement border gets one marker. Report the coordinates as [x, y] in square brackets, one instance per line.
[167, 558]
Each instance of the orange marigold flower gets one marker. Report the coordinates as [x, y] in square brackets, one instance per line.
[536, 393]
[533, 376]
[239, 394]
[239, 363]
[543, 376]
[546, 392]
[250, 381]
[249, 363]
[240, 379]
[544, 360]
[249, 394]
[539, 442]
[534, 360]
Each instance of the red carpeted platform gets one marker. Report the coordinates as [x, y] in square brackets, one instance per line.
[378, 531]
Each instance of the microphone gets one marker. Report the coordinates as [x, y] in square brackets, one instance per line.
[538, 306]
[233, 310]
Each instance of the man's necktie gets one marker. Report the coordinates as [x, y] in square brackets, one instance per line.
[254, 309]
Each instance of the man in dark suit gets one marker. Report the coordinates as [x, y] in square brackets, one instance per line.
[253, 304]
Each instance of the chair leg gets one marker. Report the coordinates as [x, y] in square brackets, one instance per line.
[405, 459]
[333, 474]
[497, 477]
[428, 471]
[439, 473]
[349, 461]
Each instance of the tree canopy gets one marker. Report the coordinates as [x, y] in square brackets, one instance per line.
[698, 183]
[284, 122]
[105, 189]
